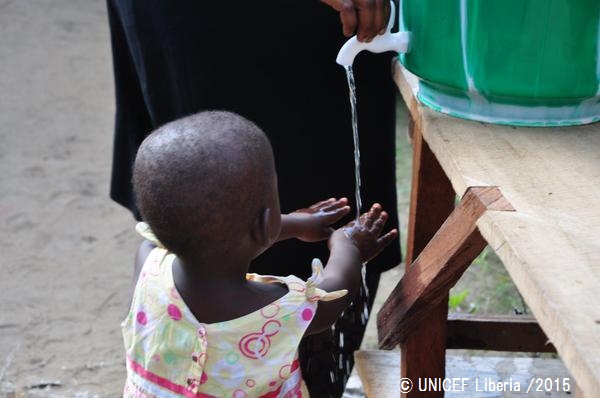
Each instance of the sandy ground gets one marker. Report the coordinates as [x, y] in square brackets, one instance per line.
[66, 271]
[68, 250]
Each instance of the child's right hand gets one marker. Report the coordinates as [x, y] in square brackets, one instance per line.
[352, 245]
[365, 233]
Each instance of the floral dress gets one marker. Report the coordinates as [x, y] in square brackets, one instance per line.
[170, 354]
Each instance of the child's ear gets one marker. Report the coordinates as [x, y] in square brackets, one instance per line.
[263, 232]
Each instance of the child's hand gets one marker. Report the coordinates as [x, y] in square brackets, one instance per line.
[352, 245]
[365, 233]
[312, 224]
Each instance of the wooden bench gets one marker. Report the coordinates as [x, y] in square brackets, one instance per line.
[533, 195]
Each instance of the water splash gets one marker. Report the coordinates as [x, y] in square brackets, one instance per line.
[352, 94]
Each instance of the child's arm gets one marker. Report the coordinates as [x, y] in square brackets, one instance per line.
[350, 246]
[312, 224]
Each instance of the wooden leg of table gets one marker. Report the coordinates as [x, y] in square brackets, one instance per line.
[431, 201]
[412, 314]
[431, 196]
[424, 351]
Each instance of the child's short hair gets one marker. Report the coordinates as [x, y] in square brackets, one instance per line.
[200, 181]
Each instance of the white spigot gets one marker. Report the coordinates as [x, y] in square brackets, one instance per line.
[388, 41]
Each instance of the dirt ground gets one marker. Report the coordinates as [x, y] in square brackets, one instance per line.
[67, 248]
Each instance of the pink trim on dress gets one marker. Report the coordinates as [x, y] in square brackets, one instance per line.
[162, 382]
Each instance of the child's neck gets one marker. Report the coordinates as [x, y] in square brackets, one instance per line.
[193, 275]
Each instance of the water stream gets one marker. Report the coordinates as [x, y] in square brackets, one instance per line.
[364, 314]
[352, 93]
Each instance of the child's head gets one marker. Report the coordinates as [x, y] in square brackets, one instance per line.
[203, 183]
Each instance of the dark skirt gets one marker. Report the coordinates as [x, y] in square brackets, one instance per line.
[272, 61]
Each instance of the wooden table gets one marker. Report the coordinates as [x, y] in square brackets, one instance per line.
[533, 195]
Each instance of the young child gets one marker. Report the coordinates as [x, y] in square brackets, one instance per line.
[199, 325]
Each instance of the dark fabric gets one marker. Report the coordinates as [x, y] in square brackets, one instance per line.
[272, 61]
[327, 358]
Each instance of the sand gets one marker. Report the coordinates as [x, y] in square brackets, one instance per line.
[67, 249]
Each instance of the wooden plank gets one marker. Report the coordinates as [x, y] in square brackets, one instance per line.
[579, 393]
[496, 332]
[378, 372]
[550, 245]
[439, 266]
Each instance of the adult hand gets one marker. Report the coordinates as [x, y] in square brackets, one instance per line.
[367, 18]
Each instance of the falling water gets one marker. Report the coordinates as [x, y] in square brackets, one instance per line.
[352, 92]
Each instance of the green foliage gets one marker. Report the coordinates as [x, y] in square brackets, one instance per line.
[492, 290]
[482, 258]
[457, 299]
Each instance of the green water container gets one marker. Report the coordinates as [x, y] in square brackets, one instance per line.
[518, 62]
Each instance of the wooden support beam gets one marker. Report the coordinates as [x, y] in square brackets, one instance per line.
[424, 286]
[431, 202]
[497, 333]
[427, 282]
[424, 350]
[431, 196]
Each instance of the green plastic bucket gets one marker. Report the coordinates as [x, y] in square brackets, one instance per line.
[518, 62]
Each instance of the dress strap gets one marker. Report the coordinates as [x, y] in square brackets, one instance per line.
[313, 293]
[144, 229]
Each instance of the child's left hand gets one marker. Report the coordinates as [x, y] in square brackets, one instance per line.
[312, 224]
